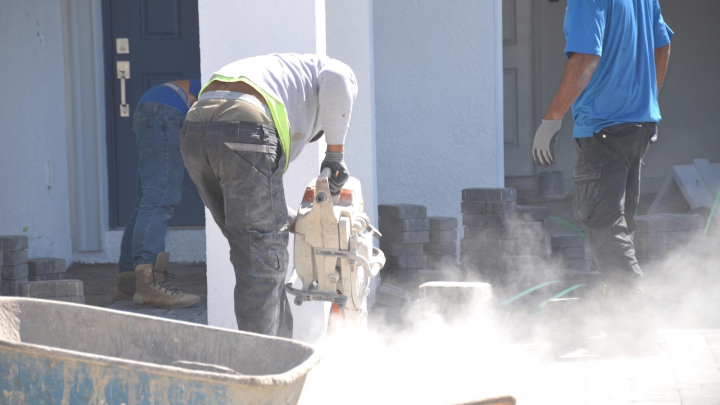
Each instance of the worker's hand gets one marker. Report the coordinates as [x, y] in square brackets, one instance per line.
[654, 136]
[544, 144]
[338, 171]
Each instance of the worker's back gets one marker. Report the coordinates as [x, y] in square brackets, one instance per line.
[625, 34]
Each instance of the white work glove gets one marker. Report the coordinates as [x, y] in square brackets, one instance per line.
[544, 143]
[338, 170]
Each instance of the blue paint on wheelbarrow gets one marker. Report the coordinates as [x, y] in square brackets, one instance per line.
[63, 353]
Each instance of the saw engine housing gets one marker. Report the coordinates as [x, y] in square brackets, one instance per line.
[334, 253]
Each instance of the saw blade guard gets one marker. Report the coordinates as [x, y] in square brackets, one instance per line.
[334, 253]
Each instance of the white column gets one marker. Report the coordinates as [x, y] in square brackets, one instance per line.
[232, 30]
[350, 39]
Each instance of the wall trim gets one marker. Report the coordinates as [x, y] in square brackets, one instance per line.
[499, 111]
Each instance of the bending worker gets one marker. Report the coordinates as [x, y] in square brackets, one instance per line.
[618, 52]
[251, 120]
[157, 122]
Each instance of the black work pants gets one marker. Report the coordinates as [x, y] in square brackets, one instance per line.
[237, 167]
[606, 196]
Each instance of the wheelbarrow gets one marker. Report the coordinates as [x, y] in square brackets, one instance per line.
[61, 353]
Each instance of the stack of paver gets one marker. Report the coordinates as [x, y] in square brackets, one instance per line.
[570, 249]
[56, 290]
[46, 269]
[405, 229]
[501, 237]
[657, 236]
[14, 262]
[441, 251]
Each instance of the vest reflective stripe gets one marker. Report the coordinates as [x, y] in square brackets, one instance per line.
[277, 109]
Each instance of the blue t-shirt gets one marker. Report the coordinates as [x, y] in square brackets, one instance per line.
[166, 95]
[625, 34]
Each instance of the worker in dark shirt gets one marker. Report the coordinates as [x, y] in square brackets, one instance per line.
[157, 122]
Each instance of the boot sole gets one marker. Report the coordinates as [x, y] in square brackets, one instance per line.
[139, 301]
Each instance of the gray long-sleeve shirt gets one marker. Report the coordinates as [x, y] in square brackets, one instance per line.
[318, 92]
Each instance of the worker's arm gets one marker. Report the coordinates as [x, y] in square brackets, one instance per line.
[337, 89]
[578, 72]
[662, 59]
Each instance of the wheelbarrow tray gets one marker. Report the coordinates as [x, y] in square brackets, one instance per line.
[62, 353]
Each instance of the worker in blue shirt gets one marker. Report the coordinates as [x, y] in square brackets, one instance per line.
[618, 53]
[157, 121]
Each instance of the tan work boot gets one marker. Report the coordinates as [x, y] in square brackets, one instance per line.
[125, 286]
[152, 286]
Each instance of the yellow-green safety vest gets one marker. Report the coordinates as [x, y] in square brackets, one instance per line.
[277, 109]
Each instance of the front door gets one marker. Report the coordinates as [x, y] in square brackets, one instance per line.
[157, 41]
[518, 87]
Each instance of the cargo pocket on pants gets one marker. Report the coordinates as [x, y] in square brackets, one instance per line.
[587, 193]
[269, 255]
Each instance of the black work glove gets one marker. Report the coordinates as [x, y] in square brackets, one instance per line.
[338, 171]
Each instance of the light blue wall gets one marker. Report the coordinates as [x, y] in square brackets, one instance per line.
[435, 101]
[32, 127]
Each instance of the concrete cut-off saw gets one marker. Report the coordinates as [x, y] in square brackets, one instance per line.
[334, 253]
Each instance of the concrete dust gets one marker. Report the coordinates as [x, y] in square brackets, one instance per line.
[430, 362]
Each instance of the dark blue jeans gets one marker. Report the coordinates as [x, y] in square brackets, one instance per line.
[160, 175]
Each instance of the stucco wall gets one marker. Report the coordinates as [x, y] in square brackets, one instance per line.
[435, 93]
[33, 132]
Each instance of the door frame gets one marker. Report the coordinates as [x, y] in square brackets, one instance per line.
[108, 49]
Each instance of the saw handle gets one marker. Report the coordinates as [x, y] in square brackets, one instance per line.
[325, 173]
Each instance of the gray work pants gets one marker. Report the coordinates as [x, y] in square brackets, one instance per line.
[606, 195]
[237, 167]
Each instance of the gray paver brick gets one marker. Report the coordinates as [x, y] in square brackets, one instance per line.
[577, 264]
[11, 287]
[574, 252]
[569, 240]
[12, 258]
[487, 232]
[443, 236]
[48, 277]
[404, 225]
[51, 289]
[448, 291]
[489, 194]
[511, 230]
[488, 208]
[528, 213]
[483, 220]
[398, 249]
[440, 261]
[407, 237]
[13, 242]
[442, 248]
[406, 262]
[402, 211]
[46, 265]
[14, 272]
[488, 246]
[443, 223]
